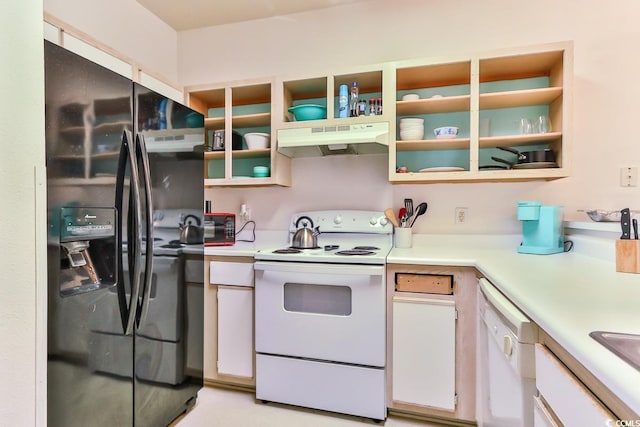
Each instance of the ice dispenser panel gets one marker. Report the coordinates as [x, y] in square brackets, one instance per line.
[88, 249]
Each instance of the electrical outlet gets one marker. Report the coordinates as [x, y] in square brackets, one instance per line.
[245, 213]
[629, 176]
[460, 215]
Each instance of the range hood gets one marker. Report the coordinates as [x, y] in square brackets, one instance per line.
[364, 138]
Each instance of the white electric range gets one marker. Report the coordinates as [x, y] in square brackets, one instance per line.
[320, 316]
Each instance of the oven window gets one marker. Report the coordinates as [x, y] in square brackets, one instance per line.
[319, 299]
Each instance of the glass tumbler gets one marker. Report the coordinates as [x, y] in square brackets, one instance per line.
[543, 124]
[526, 126]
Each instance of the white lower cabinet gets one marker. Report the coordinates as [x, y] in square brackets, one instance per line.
[563, 400]
[424, 352]
[235, 331]
[228, 330]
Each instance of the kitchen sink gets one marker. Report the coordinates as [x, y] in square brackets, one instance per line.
[625, 346]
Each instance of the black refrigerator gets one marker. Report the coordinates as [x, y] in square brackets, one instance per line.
[109, 362]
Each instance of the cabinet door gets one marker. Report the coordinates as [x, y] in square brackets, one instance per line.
[235, 331]
[424, 352]
[542, 415]
[567, 397]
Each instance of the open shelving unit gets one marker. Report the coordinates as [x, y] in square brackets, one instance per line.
[240, 107]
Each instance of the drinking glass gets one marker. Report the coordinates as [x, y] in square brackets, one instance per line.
[526, 126]
[543, 124]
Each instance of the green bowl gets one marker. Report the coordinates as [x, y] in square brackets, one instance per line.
[308, 112]
[261, 171]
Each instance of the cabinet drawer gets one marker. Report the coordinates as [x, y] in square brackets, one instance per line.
[567, 397]
[424, 283]
[231, 273]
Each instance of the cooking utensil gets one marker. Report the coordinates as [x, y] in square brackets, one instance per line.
[402, 214]
[305, 238]
[391, 216]
[408, 204]
[625, 222]
[634, 222]
[191, 233]
[532, 165]
[420, 210]
[545, 155]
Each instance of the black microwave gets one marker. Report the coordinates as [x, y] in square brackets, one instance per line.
[219, 229]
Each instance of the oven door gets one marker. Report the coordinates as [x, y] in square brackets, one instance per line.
[321, 311]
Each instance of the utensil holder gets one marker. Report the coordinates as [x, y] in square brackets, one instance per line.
[403, 237]
[628, 256]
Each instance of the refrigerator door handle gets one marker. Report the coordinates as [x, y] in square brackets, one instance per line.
[127, 156]
[141, 150]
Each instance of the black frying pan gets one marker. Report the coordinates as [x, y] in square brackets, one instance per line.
[528, 165]
[535, 156]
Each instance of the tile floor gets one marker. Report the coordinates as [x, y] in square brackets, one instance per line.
[228, 408]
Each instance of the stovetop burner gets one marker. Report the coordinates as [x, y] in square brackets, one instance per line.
[366, 248]
[355, 252]
[287, 251]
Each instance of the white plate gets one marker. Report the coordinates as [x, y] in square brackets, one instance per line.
[442, 169]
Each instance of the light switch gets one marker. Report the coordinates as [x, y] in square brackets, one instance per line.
[629, 176]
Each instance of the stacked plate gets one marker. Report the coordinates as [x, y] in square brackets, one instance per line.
[411, 128]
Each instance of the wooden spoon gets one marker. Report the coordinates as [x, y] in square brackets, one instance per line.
[391, 216]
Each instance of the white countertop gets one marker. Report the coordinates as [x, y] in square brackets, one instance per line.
[568, 294]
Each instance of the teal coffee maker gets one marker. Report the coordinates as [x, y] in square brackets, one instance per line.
[541, 228]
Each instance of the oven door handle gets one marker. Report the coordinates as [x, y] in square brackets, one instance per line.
[311, 268]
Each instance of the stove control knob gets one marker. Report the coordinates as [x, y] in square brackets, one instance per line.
[384, 221]
[373, 220]
[337, 219]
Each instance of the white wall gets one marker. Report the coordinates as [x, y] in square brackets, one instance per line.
[606, 97]
[127, 27]
[23, 254]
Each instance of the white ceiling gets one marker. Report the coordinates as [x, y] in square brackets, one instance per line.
[189, 14]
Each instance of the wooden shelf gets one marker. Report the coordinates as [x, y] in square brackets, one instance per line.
[251, 94]
[479, 176]
[368, 82]
[447, 74]
[447, 104]
[433, 144]
[519, 140]
[238, 154]
[214, 123]
[239, 182]
[251, 120]
[519, 98]
[520, 66]
[306, 88]
[243, 121]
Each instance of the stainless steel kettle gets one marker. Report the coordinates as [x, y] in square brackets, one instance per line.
[191, 233]
[305, 238]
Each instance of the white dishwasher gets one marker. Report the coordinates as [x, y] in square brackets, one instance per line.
[506, 362]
